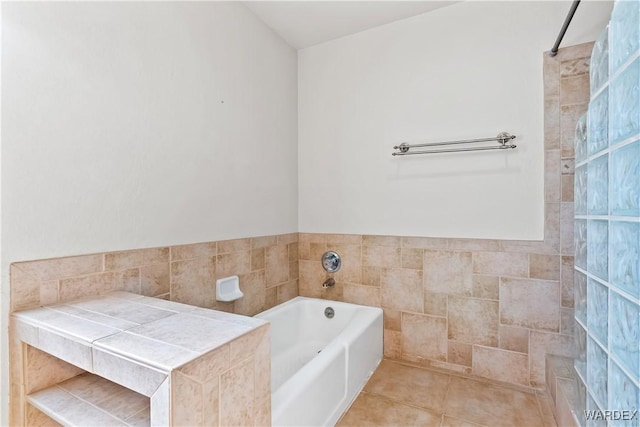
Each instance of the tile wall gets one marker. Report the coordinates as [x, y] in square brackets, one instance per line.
[267, 267]
[607, 215]
[493, 308]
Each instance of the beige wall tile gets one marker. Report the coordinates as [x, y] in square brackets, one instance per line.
[316, 250]
[197, 250]
[293, 252]
[424, 243]
[287, 291]
[57, 268]
[448, 272]
[567, 188]
[459, 353]
[25, 289]
[211, 404]
[545, 267]
[95, 284]
[530, 303]
[245, 346]
[473, 245]
[253, 286]
[294, 270]
[333, 293]
[412, 258]
[527, 246]
[424, 336]
[49, 292]
[473, 320]
[34, 417]
[263, 412]
[234, 245]
[371, 275]
[312, 238]
[263, 242]
[552, 176]
[514, 338]
[574, 67]
[135, 258]
[501, 263]
[551, 75]
[129, 280]
[351, 267]
[381, 256]
[391, 319]
[236, 395]
[552, 120]
[233, 264]
[304, 250]
[392, 241]
[155, 279]
[567, 244]
[16, 405]
[343, 239]
[271, 298]
[262, 367]
[569, 115]
[401, 289]
[567, 321]
[501, 365]
[572, 89]
[542, 343]
[486, 286]
[566, 281]
[285, 239]
[208, 367]
[552, 225]
[311, 277]
[392, 344]
[193, 281]
[364, 295]
[258, 259]
[435, 303]
[43, 370]
[186, 402]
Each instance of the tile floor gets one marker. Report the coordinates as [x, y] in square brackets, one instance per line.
[402, 395]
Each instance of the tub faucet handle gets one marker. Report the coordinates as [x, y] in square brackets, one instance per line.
[328, 283]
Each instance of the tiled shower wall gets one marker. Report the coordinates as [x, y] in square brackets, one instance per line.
[493, 308]
[607, 216]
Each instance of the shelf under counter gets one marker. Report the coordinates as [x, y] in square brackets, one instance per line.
[92, 400]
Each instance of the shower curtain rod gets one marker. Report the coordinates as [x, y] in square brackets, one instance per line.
[567, 21]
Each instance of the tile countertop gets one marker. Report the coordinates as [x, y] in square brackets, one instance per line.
[141, 332]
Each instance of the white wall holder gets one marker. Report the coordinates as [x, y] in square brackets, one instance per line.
[228, 289]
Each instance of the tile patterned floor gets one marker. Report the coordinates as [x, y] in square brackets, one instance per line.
[402, 395]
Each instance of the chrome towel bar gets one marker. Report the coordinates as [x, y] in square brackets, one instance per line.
[502, 138]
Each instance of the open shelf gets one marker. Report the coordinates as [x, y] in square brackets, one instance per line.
[92, 400]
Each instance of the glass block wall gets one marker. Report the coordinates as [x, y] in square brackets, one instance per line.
[607, 228]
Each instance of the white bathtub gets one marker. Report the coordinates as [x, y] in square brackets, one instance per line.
[319, 365]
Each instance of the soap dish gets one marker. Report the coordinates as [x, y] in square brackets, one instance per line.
[228, 289]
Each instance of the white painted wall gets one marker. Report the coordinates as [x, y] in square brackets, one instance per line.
[466, 71]
[132, 125]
